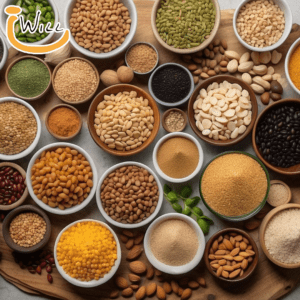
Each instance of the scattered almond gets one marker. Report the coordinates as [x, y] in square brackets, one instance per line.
[129, 244]
[245, 57]
[186, 294]
[135, 252]
[224, 44]
[151, 289]
[160, 293]
[232, 55]
[245, 66]
[174, 286]
[183, 282]
[253, 224]
[141, 293]
[121, 282]
[150, 273]
[232, 66]
[260, 70]
[135, 287]
[192, 67]
[265, 84]
[139, 238]
[180, 291]
[134, 278]
[255, 58]
[137, 267]
[167, 287]
[127, 292]
[276, 57]
[265, 57]
[114, 294]
[201, 281]
[193, 284]
[123, 238]
[128, 233]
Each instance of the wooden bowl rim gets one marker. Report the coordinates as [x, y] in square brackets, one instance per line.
[152, 104]
[22, 58]
[22, 209]
[191, 50]
[262, 230]
[206, 83]
[167, 112]
[252, 266]
[283, 171]
[63, 138]
[286, 186]
[97, 77]
[24, 195]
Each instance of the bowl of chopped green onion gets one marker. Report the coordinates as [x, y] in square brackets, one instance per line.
[185, 27]
[49, 14]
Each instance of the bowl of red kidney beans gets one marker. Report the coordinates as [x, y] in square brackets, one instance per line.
[13, 188]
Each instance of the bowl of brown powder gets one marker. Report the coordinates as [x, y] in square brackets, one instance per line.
[174, 243]
[235, 186]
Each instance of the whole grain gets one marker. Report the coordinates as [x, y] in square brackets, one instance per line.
[174, 121]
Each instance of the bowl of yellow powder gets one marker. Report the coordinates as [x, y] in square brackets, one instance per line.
[174, 244]
[178, 157]
[235, 186]
[87, 253]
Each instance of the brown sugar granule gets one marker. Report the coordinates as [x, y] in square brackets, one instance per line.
[178, 157]
[141, 58]
[18, 128]
[27, 229]
[75, 80]
[234, 184]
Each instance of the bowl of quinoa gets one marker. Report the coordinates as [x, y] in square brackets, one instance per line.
[234, 186]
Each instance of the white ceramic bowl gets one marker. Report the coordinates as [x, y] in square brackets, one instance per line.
[92, 283]
[175, 270]
[133, 15]
[287, 61]
[5, 51]
[3, 18]
[38, 134]
[172, 135]
[135, 225]
[288, 25]
[56, 210]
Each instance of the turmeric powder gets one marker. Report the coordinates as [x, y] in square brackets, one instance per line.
[294, 68]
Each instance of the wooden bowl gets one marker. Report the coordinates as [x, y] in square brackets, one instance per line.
[25, 194]
[19, 59]
[115, 89]
[202, 46]
[250, 268]
[286, 186]
[205, 84]
[63, 138]
[89, 97]
[6, 224]
[294, 170]
[167, 112]
[262, 231]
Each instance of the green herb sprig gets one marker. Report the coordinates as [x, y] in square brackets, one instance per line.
[189, 205]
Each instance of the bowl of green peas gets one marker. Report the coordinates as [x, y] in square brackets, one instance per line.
[49, 13]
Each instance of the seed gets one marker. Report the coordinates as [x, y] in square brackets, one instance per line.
[49, 278]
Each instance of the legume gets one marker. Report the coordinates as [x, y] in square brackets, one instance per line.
[129, 194]
[61, 178]
[124, 121]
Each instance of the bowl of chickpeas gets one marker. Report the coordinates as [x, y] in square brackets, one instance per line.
[62, 178]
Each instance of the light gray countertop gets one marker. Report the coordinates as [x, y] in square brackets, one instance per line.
[104, 161]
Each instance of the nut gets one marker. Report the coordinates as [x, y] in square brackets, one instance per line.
[276, 57]
[265, 98]
[127, 292]
[232, 66]
[134, 253]
[265, 57]
[260, 70]
[167, 287]
[265, 84]
[150, 273]
[125, 74]
[137, 267]
[186, 294]
[134, 278]
[232, 55]
[255, 58]
[245, 57]
[121, 282]
[245, 67]
[141, 293]
[258, 89]
[246, 77]
[109, 78]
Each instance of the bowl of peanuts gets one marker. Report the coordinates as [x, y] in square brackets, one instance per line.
[101, 30]
[139, 195]
[62, 178]
[123, 120]
[231, 255]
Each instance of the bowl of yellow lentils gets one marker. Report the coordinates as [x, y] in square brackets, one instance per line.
[87, 253]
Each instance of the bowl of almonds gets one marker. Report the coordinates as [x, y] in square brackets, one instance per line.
[222, 110]
[231, 255]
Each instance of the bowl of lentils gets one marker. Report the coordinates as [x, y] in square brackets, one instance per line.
[276, 136]
[3, 52]
[49, 14]
[20, 128]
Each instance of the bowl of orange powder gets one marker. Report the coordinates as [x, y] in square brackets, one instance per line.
[292, 66]
[63, 122]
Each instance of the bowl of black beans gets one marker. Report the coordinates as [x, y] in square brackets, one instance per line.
[276, 136]
[171, 85]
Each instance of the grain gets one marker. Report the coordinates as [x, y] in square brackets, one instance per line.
[174, 121]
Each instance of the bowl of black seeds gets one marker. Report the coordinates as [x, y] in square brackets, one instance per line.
[276, 136]
[3, 52]
[171, 85]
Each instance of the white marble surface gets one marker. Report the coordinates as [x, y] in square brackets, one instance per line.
[103, 160]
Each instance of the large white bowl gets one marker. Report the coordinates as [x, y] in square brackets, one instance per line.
[133, 15]
[5, 51]
[175, 270]
[134, 225]
[172, 135]
[287, 61]
[38, 133]
[92, 283]
[3, 17]
[56, 210]
[288, 26]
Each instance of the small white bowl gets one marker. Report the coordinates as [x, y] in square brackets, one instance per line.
[5, 51]
[288, 26]
[38, 133]
[286, 64]
[3, 18]
[175, 270]
[92, 283]
[56, 210]
[133, 15]
[172, 135]
[135, 225]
